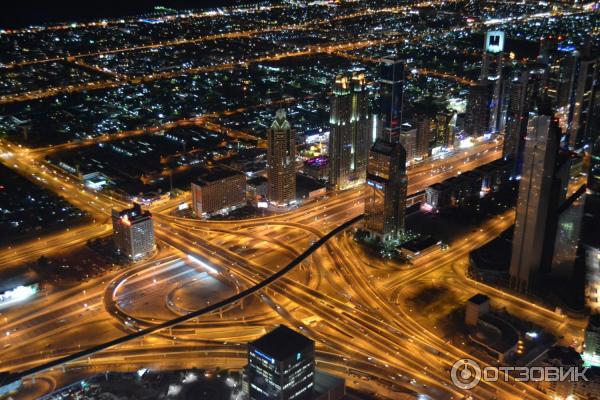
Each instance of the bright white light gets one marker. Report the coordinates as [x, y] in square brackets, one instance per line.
[141, 372]
[202, 264]
[17, 294]
[532, 335]
[174, 390]
[189, 378]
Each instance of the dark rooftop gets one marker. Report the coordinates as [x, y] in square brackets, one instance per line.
[214, 174]
[479, 299]
[282, 342]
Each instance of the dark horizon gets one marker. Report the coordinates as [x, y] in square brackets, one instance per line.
[31, 12]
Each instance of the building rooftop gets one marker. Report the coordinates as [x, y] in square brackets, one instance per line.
[133, 214]
[282, 342]
[214, 174]
[479, 299]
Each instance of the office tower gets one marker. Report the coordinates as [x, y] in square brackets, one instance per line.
[422, 122]
[408, 140]
[591, 352]
[281, 161]
[385, 206]
[218, 189]
[281, 365]
[585, 92]
[525, 88]
[535, 190]
[477, 116]
[491, 72]
[590, 241]
[349, 133]
[593, 182]
[444, 129]
[133, 232]
[563, 239]
[391, 97]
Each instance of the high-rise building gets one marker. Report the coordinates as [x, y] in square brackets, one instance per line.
[133, 232]
[281, 161]
[349, 134]
[533, 204]
[422, 122]
[525, 88]
[218, 189]
[591, 353]
[491, 72]
[385, 206]
[586, 87]
[477, 116]
[281, 366]
[391, 97]
[593, 182]
[444, 130]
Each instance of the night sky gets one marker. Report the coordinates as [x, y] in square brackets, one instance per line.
[19, 13]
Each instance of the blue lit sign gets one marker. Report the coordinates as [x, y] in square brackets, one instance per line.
[266, 357]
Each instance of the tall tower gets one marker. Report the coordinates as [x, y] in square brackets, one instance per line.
[281, 160]
[525, 87]
[534, 201]
[385, 206]
[391, 97]
[477, 118]
[586, 87]
[349, 134]
[491, 71]
[593, 183]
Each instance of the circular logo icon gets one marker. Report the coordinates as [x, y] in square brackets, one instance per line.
[466, 374]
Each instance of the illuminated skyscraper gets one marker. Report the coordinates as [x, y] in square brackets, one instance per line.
[477, 116]
[133, 232]
[391, 97]
[349, 135]
[525, 88]
[281, 161]
[491, 72]
[281, 366]
[586, 87]
[593, 182]
[385, 206]
[535, 198]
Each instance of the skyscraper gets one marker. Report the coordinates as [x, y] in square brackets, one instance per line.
[133, 232]
[349, 135]
[281, 366]
[593, 182]
[391, 97]
[491, 72]
[477, 116]
[525, 87]
[586, 87]
[422, 122]
[281, 160]
[385, 206]
[533, 204]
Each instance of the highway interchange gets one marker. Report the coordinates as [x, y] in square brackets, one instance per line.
[353, 305]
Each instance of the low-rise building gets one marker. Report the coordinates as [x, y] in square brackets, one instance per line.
[218, 190]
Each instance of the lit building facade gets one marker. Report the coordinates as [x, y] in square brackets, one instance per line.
[281, 161]
[491, 72]
[133, 232]
[533, 203]
[391, 97]
[218, 190]
[281, 366]
[349, 134]
[387, 185]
